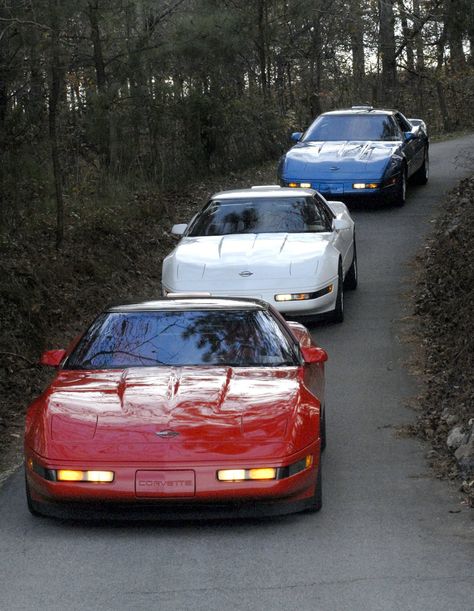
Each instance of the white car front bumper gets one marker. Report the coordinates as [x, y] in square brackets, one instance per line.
[305, 307]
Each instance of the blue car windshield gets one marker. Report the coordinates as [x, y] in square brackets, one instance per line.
[239, 338]
[352, 127]
[259, 215]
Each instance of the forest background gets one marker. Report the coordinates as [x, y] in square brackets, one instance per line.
[103, 99]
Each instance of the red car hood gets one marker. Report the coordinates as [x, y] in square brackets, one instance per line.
[172, 414]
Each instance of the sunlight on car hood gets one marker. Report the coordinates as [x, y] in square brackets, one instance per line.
[338, 160]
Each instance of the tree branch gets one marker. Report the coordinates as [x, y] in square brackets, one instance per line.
[15, 20]
[416, 30]
[154, 22]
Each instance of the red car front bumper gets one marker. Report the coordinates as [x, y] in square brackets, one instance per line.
[158, 489]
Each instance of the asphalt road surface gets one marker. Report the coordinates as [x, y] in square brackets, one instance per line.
[389, 537]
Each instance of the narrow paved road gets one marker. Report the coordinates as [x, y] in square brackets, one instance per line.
[389, 537]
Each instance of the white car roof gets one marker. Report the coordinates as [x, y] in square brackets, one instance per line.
[264, 191]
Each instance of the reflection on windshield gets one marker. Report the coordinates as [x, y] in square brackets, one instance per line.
[352, 127]
[292, 215]
[211, 337]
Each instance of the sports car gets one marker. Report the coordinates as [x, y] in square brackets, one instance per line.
[289, 247]
[359, 154]
[180, 407]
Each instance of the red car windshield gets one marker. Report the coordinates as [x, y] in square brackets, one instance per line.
[238, 338]
[353, 127]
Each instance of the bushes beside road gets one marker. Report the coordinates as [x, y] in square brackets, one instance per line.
[444, 311]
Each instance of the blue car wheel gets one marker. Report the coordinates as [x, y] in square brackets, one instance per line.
[400, 194]
[420, 177]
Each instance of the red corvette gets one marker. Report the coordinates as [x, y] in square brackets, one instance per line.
[183, 406]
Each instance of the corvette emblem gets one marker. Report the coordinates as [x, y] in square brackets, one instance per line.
[246, 274]
[334, 168]
[167, 433]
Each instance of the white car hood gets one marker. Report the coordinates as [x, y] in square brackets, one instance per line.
[246, 259]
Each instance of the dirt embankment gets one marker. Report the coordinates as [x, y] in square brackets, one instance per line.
[444, 316]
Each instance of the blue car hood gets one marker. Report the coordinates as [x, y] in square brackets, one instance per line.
[338, 160]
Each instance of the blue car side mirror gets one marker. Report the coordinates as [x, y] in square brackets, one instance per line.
[409, 136]
[296, 136]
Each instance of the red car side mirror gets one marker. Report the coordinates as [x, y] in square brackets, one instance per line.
[52, 358]
[313, 354]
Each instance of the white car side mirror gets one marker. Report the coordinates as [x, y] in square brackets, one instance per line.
[178, 229]
[339, 224]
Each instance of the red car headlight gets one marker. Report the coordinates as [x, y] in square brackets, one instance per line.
[239, 475]
[73, 475]
[265, 473]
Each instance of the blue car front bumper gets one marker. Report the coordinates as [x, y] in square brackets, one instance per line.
[343, 189]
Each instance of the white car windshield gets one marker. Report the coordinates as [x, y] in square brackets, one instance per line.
[260, 215]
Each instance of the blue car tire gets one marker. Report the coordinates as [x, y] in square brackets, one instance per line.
[399, 197]
[420, 177]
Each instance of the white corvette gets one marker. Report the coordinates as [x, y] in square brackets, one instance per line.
[289, 247]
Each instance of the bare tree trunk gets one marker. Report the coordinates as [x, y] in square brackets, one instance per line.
[262, 45]
[440, 49]
[419, 47]
[455, 22]
[3, 136]
[419, 58]
[315, 63]
[3, 85]
[447, 124]
[54, 94]
[3, 105]
[289, 80]
[470, 33]
[134, 71]
[357, 47]
[104, 110]
[36, 98]
[92, 11]
[389, 89]
[407, 36]
[280, 82]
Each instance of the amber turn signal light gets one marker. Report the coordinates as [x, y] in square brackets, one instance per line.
[72, 475]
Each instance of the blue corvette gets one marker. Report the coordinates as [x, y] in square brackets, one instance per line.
[358, 153]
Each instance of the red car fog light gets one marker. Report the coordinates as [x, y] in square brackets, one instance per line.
[68, 475]
[265, 473]
[231, 475]
[73, 475]
[239, 475]
[103, 477]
